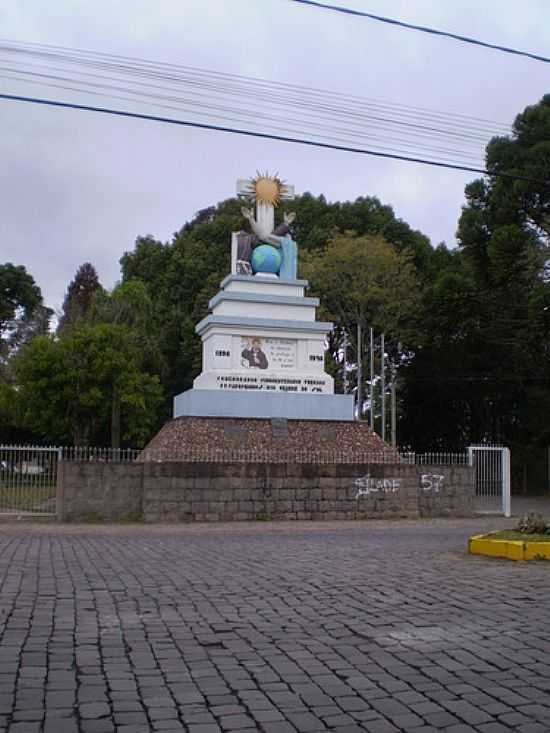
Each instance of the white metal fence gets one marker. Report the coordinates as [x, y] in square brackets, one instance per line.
[436, 459]
[28, 474]
[492, 471]
[28, 479]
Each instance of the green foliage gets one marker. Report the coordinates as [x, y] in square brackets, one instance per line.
[473, 322]
[484, 370]
[22, 317]
[18, 292]
[183, 275]
[67, 386]
[533, 523]
[80, 296]
[365, 280]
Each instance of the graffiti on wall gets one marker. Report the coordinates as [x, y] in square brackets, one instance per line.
[431, 482]
[366, 485]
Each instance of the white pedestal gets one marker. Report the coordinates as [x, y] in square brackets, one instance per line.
[263, 355]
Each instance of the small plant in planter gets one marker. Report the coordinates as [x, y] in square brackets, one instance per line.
[533, 523]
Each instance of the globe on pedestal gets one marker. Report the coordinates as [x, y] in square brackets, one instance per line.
[266, 258]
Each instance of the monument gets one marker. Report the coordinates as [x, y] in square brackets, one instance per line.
[263, 350]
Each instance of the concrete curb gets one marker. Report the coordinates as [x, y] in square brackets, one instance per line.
[509, 549]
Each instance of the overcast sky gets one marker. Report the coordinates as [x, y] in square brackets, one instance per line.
[77, 187]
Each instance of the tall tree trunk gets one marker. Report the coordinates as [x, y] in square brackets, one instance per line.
[115, 420]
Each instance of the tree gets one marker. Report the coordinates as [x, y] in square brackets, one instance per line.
[22, 316]
[364, 281]
[80, 296]
[19, 294]
[182, 275]
[66, 386]
[129, 304]
[484, 371]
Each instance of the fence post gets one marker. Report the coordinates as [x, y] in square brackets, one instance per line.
[506, 488]
[59, 487]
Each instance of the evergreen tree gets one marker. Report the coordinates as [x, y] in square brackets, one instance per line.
[80, 296]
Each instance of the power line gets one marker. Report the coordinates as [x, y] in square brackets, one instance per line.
[425, 29]
[217, 82]
[320, 132]
[212, 80]
[268, 120]
[210, 96]
[266, 136]
[447, 128]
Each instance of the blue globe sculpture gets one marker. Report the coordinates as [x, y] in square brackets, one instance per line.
[266, 258]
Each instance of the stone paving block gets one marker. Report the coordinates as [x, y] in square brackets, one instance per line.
[305, 722]
[98, 726]
[28, 715]
[64, 725]
[263, 628]
[380, 726]
[492, 728]
[278, 727]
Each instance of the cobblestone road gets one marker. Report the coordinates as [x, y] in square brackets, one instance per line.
[309, 627]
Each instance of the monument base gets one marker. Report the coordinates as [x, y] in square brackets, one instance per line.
[217, 403]
[225, 440]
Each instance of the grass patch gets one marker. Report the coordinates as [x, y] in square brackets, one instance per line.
[25, 497]
[131, 518]
[511, 534]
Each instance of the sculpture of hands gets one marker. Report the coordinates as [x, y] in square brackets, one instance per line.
[262, 234]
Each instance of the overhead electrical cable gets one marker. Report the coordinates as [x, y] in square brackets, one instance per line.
[345, 136]
[342, 136]
[259, 105]
[268, 136]
[193, 75]
[425, 29]
[356, 123]
[213, 97]
[443, 128]
[355, 126]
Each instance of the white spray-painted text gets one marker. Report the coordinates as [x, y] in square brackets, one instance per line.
[431, 482]
[367, 485]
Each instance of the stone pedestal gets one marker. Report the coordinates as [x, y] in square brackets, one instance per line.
[263, 355]
[206, 439]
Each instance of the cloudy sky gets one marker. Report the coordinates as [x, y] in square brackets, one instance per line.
[77, 187]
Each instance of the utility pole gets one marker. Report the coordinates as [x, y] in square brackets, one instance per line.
[372, 394]
[394, 367]
[345, 379]
[383, 384]
[393, 409]
[359, 372]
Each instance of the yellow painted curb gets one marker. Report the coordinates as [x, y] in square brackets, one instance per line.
[510, 549]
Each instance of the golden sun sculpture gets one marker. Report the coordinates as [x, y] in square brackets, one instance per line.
[265, 189]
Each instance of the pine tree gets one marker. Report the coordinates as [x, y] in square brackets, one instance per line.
[80, 296]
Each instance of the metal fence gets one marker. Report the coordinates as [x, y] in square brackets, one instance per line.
[492, 475]
[436, 459]
[28, 474]
[101, 455]
[28, 479]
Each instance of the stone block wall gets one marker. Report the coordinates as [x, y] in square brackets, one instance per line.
[210, 492]
[89, 490]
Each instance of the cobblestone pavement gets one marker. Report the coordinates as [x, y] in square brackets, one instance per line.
[366, 626]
